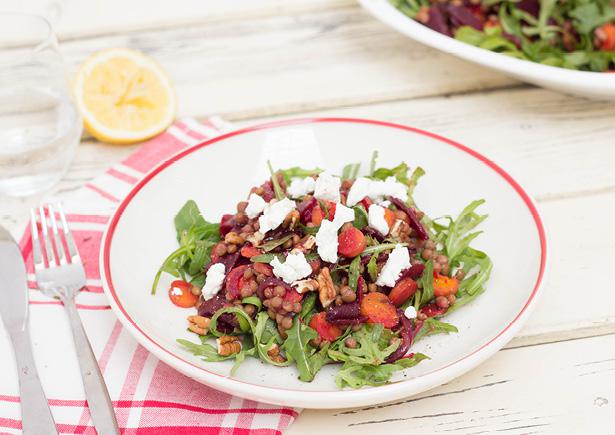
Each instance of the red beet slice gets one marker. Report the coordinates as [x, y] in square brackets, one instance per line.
[415, 223]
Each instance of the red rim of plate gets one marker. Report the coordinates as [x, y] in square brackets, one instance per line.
[108, 238]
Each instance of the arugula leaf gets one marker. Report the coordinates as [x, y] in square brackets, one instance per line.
[372, 346]
[400, 172]
[426, 294]
[457, 235]
[360, 217]
[299, 351]
[587, 16]
[477, 265]
[244, 320]
[279, 193]
[309, 302]
[372, 164]
[196, 239]
[188, 216]
[357, 375]
[376, 249]
[253, 300]
[372, 267]
[266, 258]
[354, 271]
[412, 182]
[297, 172]
[433, 326]
[272, 244]
[351, 171]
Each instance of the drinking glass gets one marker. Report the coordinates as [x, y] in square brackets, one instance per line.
[40, 127]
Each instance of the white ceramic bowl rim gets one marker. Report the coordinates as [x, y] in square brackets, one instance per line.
[471, 359]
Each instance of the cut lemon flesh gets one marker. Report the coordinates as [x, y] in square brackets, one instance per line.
[124, 96]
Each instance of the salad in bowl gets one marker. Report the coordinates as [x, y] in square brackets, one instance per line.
[315, 268]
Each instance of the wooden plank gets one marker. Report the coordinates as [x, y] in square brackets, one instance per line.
[559, 388]
[75, 18]
[293, 63]
[557, 146]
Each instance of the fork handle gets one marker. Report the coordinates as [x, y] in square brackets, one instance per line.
[99, 402]
[35, 413]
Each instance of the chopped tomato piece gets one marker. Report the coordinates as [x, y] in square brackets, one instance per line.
[605, 37]
[235, 281]
[432, 310]
[318, 214]
[326, 331]
[250, 251]
[402, 291]
[263, 269]
[351, 242]
[366, 202]
[378, 309]
[293, 296]
[389, 216]
[444, 285]
[181, 295]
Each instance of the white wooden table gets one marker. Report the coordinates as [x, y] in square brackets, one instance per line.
[254, 60]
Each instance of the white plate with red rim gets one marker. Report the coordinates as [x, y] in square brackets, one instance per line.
[219, 173]
[582, 83]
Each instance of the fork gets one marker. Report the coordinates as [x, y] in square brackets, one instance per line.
[60, 273]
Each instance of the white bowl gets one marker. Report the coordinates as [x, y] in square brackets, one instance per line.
[219, 173]
[582, 83]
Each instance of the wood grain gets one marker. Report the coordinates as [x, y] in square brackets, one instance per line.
[293, 63]
[562, 388]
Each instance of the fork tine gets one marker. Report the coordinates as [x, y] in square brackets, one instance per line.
[68, 236]
[37, 257]
[56, 235]
[45, 237]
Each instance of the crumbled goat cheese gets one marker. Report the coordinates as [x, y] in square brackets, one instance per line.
[301, 186]
[410, 312]
[326, 237]
[376, 190]
[399, 259]
[274, 214]
[294, 268]
[376, 219]
[358, 191]
[328, 187]
[213, 280]
[256, 205]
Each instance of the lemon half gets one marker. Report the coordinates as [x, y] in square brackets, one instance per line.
[124, 96]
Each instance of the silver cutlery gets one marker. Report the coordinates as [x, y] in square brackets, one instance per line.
[35, 413]
[63, 276]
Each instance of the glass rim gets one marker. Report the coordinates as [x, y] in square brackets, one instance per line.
[48, 37]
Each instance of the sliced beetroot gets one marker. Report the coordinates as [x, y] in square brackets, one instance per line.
[235, 281]
[438, 20]
[230, 261]
[346, 314]
[268, 193]
[415, 272]
[210, 306]
[415, 223]
[513, 38]
[271, 282]
[407, 332]
[462, 16]
[432, 310]
[305, 209]
[227, 223]
[532, 7]
[375, 234]
[361, 288]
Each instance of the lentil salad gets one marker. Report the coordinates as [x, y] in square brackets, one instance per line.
[572, 34]
[316, 269]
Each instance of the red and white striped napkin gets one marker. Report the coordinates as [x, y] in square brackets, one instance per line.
[149, 396]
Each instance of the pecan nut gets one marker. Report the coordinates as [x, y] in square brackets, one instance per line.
[326, 288]
[199, 324]
[228, 345]
[306, 285]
